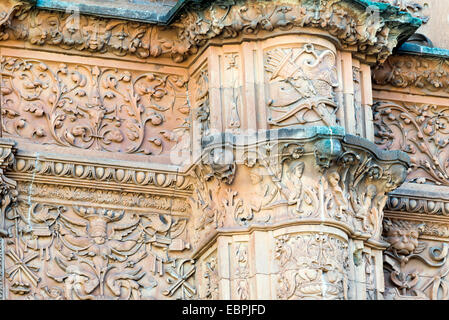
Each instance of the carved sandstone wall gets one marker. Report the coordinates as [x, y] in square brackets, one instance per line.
[229, 155]
[410, 114]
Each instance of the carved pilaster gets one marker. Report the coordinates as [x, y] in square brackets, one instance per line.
[313, 186]
[7, 185]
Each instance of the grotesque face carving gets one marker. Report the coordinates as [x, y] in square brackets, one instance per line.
[402, 236]
[327, 150]
[397, 176]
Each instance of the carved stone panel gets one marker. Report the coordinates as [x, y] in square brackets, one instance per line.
[415, 269]
[94, 108]
[311, 266]
[301, 84]
[72, 249]
[422, 131]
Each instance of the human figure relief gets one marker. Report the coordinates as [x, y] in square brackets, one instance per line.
[364, 208]
[294, 185]
[339, 198]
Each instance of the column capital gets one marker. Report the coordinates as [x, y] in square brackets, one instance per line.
[301, 174]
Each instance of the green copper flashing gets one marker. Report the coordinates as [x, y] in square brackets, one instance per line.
[165, 11]
[154, 12]
[419, 50]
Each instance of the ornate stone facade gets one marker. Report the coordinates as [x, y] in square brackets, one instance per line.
[234, 150]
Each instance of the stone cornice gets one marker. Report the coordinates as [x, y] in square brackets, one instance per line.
[404, 71]
[112, 175]
[412, 198]
[310, 175]
[352, 22]
[411, 71]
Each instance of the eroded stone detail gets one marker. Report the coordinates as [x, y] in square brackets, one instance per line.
[415, 9]
[421, 131]
[323, 179]
[301, 83]
[79, 252]
[414, 269]
[311, 266]
[352, 25]
[406, 71]
[94, 108]
[210, 274]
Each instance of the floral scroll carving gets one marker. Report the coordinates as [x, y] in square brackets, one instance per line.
[301, 83]
[311, 267]
[93, 108]
[403, 71]
[419, 130]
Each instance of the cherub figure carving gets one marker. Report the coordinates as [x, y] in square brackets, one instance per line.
[364, 208]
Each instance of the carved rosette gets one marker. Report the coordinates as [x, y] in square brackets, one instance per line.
[305, 177]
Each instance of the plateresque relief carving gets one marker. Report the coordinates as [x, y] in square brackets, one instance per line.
[96, 251]
[301, 83]
[90, 107]
[352, 25]
[421, 131]
[414, 269]
[311, 266]
[276, 181]
[406, 71]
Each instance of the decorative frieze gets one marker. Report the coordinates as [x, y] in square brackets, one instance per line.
[99, 172]
[429, 75]
[353, 25]
[299, 174]
[78, 252]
